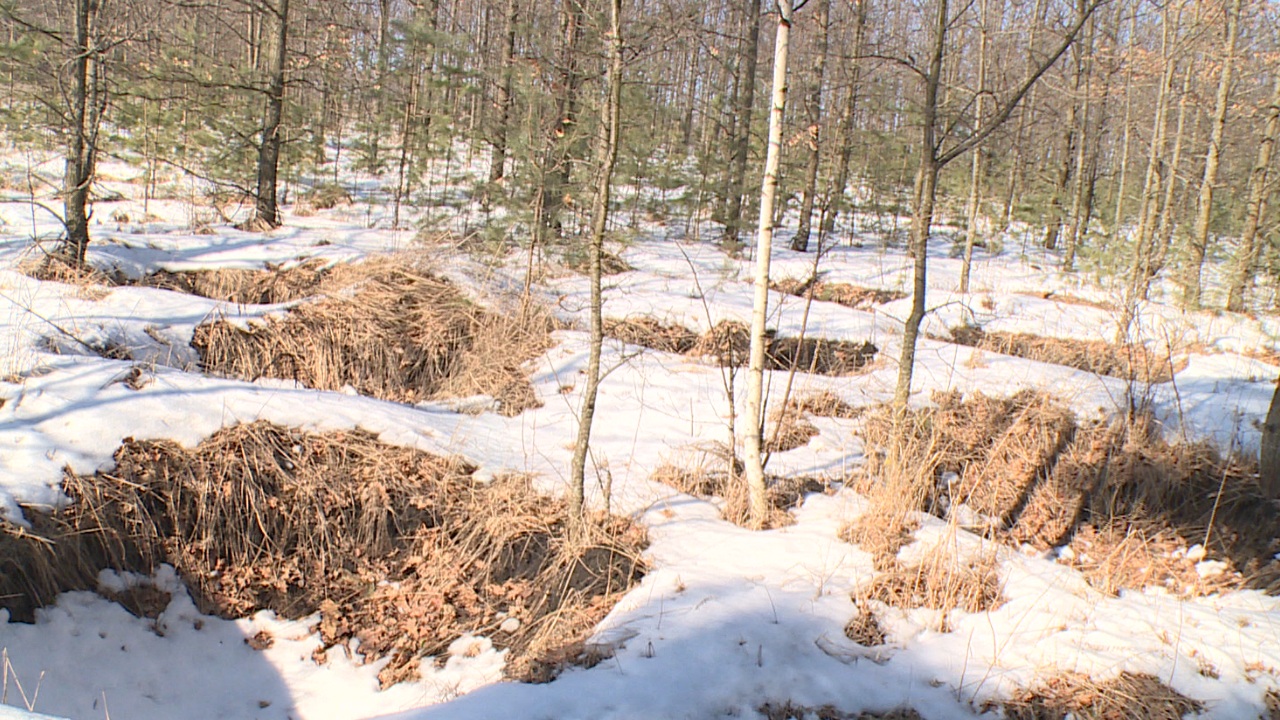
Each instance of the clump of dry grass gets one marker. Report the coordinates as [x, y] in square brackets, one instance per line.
[396, 333]
[1129, 503]
[710, 480]
[249, 287]
[941, 580]
[825, 404]
[864, 628]
[790, 711]
[394, 547]
[650, 333]
[57, 267]
[850, 296]
[1127, 362]
[610, 263]
[787, 430]
[728, 344]
[1127, 697]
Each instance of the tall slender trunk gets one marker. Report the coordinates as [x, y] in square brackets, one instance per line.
[498, 139]
[926, 191]
[380, 79]
[81, 158]
[848, 117]
[267, 213]
[754, 411]
[1024, 119]
[741, 142]
[1169, 207]
[1247, 254]
[611, 121]
[1118, 216]
[1140, 263]
[1199, 243]
[1078, 219]
[975, 169]
[556, 177]
[800, 242]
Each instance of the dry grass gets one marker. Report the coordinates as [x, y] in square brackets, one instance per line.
[1127, 697]
[825, 404]
[1128, 503]
[711, 481]
[249, 287]
[395, 333]
[850, 296]
[729, 343]
[610, 264]
[1127, 362]
[940, 580]
[396, 548]
[790, 711]
[864, 628]
[787, 430]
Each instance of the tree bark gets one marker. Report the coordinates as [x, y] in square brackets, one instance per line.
[1199, 243]
[1247, 254]
[611, 122]
[800, 242]
[746, 81]
[1269, 464]
[556, 177]
[498, 141]
[975, 169]
[848, 117]
[267, 212]
[82, 150]
[754, 413]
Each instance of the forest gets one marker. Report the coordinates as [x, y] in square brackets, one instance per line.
[503, 358]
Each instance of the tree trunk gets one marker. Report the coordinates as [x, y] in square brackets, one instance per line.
[764, 247]
[267, 213]
[1118, 216]
[741, 143]
[800, 243]
[498, 141]
[1078, 219]
[848, 117]
[556, 177]
[1269, 465]
[1168, 207]
[81, 159]
[926, 190]
[608, 154]
[1199, 243]
[975, 170]
[1247, 254]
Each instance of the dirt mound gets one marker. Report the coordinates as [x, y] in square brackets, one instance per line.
[396, 548]
[395, 333]
[247, 287]
[1129, 696]
[850, 296]
[1131, 506]
[729, 345]
[1133, 362]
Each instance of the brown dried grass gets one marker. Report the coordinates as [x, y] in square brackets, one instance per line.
[1123, 498]
[850, 296]
[941, 580]
[267, 286]
[787, 430]
[825, 404]
[710, 481]
[395, 333]
[728, 344]
[1127, 362]
[791, 711]
[396, 548]
[1127, 697]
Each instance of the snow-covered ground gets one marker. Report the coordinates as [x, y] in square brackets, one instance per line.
[727, 619]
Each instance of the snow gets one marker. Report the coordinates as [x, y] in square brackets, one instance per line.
[727, 619]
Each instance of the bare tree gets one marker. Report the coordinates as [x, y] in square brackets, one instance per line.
[611, 122]
[754, 412]
[1247, 255]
